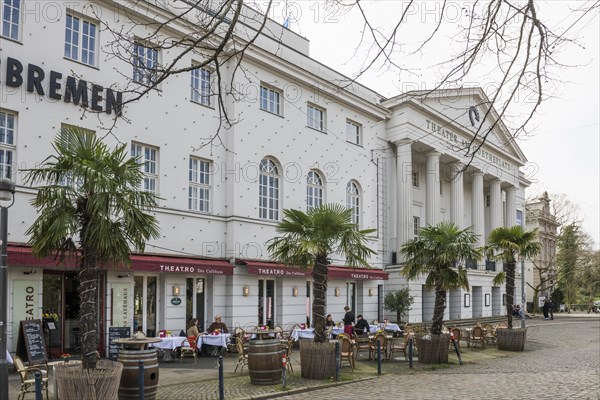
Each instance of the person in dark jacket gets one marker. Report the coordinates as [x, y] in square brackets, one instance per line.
[348, 321]
[545, 308]
[361, 325]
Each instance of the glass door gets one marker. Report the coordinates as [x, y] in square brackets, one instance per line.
[144, 306]
[194, 304]
[266, 302]
[351, 296]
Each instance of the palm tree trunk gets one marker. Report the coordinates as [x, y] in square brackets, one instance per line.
[319, 297]
[88, 311]
[438, 311]
[510, 291]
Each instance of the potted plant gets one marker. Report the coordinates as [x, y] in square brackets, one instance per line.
[438, 253]
[506, 244]
[398, 301]
[309, 240]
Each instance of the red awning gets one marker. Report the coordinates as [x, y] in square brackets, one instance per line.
[273, 269]
[359, 274]
[22, 256]
[180, 265]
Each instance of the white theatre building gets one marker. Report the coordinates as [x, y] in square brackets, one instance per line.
[299, 141]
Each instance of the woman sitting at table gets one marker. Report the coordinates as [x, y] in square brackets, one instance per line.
[329, 321]
[192, 329]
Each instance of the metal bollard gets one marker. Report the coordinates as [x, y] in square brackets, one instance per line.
[38, 385]
[410, 353]
[378, 357]
[141, 379]
[337, 361]
[221, 381]
[283, 368]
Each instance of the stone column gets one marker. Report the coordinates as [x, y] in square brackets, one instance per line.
[457, 195]
[404, 191]
[510, 219]
[432, 208]
[496, 213]
[477, 210]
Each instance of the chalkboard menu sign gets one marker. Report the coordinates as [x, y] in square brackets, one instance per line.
[30, 342]
[116, 332]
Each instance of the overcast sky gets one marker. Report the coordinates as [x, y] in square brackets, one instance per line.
[563, 152]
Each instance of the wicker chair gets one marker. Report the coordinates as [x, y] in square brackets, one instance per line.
[346, 350]
[242, 355]
[476, 336]
[490, 333]
[27, 375]
[399, 344]
[288, 346]
[382, 340]
[361, 343]
[189, 347]
[457, 333]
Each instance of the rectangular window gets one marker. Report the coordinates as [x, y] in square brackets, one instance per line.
[270, 100]
[199, 189]
[316, 117]
[145, 62]
[487, 200]
[148, 164]
[416, 226]
[201, 81]
[80, 40]
[11, 13]
[353, 132]
[7, 144]
[415, 179]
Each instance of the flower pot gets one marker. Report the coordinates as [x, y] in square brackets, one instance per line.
[511, 339]
[75, 383]
[433, 349]
[317, 360]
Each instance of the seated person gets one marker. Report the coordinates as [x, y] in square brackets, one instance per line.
[216, 327]
[139, 334]
[192, 329]
[329, 321]
[361, 326]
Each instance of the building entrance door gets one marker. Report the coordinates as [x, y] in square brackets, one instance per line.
[266, 302]
[194, 301]
[144, 304]
[60, 304]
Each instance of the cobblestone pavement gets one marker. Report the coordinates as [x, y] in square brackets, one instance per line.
[561, 361]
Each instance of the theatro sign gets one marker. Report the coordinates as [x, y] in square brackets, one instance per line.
[71, 90]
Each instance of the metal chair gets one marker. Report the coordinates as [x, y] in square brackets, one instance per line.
[27, 375]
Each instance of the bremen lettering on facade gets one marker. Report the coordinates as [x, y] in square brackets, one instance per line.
[72, 90]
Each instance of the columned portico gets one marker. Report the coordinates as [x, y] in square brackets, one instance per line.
[477, 210]
[457, 196]
[510, 218]
[433, 188]
[404, 195]
[496, 213]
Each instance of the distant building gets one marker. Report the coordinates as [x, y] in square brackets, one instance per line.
[541, 271]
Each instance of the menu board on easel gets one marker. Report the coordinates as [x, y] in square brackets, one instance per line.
[116, 332]
[30, 342]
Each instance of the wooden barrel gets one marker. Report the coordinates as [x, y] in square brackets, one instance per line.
[264, 362]
[129, 387]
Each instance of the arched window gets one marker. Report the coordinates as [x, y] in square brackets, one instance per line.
[353, 201]
[314, 190]
[268, 196]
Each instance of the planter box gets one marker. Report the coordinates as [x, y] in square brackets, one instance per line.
[317, 360]
[511, 339]
[433, 349]
[75, 383]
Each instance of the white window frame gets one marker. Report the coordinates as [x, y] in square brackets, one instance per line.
[148, 160]
[11, 19]
[201, 86]
[85, 52]
[315, 117]
[199, 191]
[8, 134]
[354, 201]
[145, 63]
[314, 190]
[270, 100]
[354, 132]
[415, 179]
[269, 190]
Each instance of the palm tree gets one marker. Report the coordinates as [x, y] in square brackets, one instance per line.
[90, 206]
[505, 244]
[439, 252]
[310, 239]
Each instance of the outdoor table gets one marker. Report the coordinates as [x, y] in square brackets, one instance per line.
[168, 344]
[386, 327]
[307, 333]
[142, 342]
[220, 340]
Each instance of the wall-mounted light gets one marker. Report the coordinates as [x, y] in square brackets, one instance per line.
[123, 276]
[295, 292]
[176, 290]
[246, 291]
[371, 292]
[337, 292]
[29, 272]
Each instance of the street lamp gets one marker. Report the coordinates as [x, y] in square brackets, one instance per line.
[7, 191]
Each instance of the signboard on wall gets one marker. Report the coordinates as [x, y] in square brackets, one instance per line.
[122, 304]
[25, 300]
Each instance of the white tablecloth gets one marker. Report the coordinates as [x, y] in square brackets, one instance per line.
[388, 327]
[169, 343]
[8, 357]
[308, 333]
[214, 340]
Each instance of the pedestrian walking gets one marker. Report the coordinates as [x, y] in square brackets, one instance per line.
[551, 308]
[545, 308]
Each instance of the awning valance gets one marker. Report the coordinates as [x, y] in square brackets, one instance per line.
[359, 274]
[334, 272]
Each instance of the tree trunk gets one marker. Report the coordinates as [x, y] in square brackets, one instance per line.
[438, 311]
[89, 309]
[510, 291]
[319, 297]
[398, 315]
